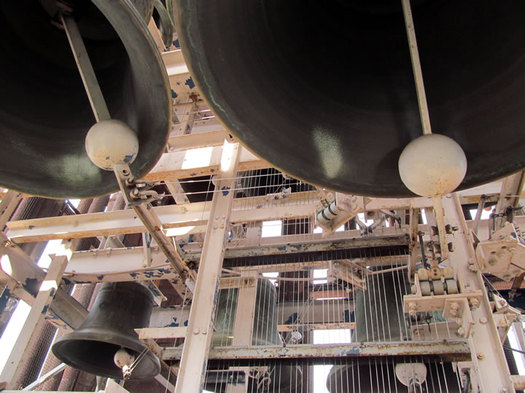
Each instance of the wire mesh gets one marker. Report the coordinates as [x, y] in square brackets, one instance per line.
[319, 300]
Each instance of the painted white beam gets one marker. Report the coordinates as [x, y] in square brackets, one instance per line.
[192, 217]
[172, 216]
[490, 371]
[200, 324]
[176, 164]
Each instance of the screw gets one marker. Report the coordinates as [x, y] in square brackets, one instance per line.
[483, 320]
[481, 356]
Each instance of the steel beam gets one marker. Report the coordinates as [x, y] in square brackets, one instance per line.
[172, 216]
[490, 371]
[127, 264]
[189, 216]
[200, 325]
[446, 350]
[172, 166]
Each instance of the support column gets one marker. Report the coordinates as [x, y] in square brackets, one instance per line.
[490, 370]
[243, 325]
[42, 302]
[200, 324]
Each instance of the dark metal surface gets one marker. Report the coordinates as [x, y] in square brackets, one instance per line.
[118, 309]
[364, 378]
[44, 110]
[325, 91]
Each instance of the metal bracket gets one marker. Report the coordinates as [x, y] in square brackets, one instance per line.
[139, 197]
[134, 193]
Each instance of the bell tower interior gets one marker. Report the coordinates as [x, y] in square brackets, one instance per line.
[210, 196]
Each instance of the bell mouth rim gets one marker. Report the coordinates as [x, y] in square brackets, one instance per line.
[105, 336]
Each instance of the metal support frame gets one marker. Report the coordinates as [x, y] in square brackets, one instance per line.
[64, 313]
[490, 372]
[509, 197]
[446, 350]
[43, 300]
[140, 202]
[200, 325]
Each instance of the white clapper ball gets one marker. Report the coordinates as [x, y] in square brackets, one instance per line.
[111, 142]
[123, 358]
[432, 165]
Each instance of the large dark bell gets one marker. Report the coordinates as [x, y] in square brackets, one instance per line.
[118, 309]
[44, 110]
[325, 91]
[378, 376]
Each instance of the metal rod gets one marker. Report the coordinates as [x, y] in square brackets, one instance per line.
[154, 227]
[416, 67]
[440, 219]
[45, 377]
[481, 206]
[85, 68]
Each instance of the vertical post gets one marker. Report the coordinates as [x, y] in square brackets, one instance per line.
[200, 323]
[245, 310]
[244, 320]
[510, 194]
[43, 300]
[8, 206]
[489, 364]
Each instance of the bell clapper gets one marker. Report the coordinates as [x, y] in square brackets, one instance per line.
[109, 142]
[128, 362]
[124, 360]
[431, 165]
